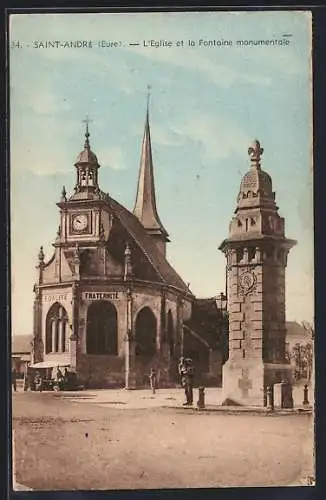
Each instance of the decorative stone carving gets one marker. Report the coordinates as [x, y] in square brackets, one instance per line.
[247, 281]
[63, 194]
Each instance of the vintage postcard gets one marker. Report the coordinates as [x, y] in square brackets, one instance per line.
[161, 250]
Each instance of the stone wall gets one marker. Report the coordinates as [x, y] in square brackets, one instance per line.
[100, 371]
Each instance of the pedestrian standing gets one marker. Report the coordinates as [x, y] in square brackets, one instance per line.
[185, 368]
[152, 379]
[189, 390]
[38, 382]
[26, 379]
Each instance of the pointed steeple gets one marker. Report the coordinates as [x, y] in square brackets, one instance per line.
[145, 205]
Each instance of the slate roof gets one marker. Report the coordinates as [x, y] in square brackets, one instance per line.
[21, 344]
[133, 226]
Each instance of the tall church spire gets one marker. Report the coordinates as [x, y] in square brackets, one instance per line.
[145, 205]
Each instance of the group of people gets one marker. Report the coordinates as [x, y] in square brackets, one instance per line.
[35, 381]
[186, 374]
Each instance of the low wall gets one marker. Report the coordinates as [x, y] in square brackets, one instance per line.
[101, 371]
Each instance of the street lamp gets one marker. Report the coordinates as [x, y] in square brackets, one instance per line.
[128, 339]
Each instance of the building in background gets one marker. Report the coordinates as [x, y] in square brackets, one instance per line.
[21, 352]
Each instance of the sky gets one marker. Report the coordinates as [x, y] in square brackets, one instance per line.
[208, 103]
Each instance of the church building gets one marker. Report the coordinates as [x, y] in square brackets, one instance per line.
[108, 303]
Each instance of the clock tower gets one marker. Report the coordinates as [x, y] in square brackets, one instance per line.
[256, 252]
[82, 214]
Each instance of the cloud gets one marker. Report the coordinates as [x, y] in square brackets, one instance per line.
[41, 144]
[218, 137]
[164, 136]
[212, 69]
[46, 102]
[113, 157]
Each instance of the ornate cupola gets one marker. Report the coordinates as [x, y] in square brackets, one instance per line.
[145, 206]
[256, 212]
[87, 167]
[256, 186]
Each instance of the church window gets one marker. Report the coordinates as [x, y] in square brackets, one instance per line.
[239, 223]
[56, 329]
[252, 221]
[145, 333]
[251, 253]
[102, 328]
[247, 224]
[83, 178]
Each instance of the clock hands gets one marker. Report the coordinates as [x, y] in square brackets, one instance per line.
[80, 221]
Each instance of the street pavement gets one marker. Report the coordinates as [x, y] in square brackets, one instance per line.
[98, 434]
[143, 398]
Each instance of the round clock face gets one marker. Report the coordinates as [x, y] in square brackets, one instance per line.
[80, 222]
[247, 281]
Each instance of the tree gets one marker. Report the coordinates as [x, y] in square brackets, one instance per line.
[302, 360]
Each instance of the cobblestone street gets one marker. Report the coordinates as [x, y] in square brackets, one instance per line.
[133, 440]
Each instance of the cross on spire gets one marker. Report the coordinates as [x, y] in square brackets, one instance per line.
[148, 97]
[87, 134]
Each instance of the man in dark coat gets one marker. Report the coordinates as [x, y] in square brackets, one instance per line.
[186, 372]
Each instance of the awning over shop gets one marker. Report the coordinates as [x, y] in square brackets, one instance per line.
[49, 364]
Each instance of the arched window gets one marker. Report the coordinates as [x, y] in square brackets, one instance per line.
[251, 253]
[56, 329]
[102, 328]
[170, 333]
[145, 333]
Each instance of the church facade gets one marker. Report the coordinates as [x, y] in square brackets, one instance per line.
[107, 302]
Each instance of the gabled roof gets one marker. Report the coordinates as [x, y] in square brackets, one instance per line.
[21, 344]
[164, 270]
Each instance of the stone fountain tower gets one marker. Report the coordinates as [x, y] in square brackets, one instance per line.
[256, 253]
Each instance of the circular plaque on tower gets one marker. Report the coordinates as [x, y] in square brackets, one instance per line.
[247, 281]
